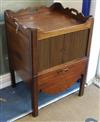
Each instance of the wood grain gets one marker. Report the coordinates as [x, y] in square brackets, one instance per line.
[49, 48]
[61, 77]
[57, 50]
[20, 52]
[50, 21]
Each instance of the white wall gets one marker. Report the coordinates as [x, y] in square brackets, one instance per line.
[92, 7]
[94, 52]
[18, 4]
[98, 67]
[71, 3]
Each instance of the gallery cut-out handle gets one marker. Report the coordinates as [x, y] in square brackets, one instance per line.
[74, 11]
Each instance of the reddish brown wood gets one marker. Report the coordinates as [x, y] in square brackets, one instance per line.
[59, 78]
[22, 57]
[58, 50]
[12, 73]
[82, 83]
[34, 52]
[89, 39]
[34, 93]
[83, 77]
[44, 17]
[70, 12]
[48, 48]
[13, 78]
[20, 52]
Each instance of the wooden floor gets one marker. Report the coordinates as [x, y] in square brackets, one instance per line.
[71, 108]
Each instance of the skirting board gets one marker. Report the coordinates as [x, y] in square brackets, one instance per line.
[5, 80]
[97, 82]
[46, 104]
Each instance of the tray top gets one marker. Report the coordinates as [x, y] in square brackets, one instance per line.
[48, 19]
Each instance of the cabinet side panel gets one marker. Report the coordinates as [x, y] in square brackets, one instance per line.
[19, 49]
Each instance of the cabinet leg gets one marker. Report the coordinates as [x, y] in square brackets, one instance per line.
[13, 81]
[34, 98]
[82, 83]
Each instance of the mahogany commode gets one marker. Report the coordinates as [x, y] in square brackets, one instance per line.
[48, 47]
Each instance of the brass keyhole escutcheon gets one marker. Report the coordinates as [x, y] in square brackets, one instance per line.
[63, 70]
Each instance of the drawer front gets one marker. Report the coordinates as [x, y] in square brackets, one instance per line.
[61, 77]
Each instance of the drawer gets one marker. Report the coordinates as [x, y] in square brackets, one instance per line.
[59, 78]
